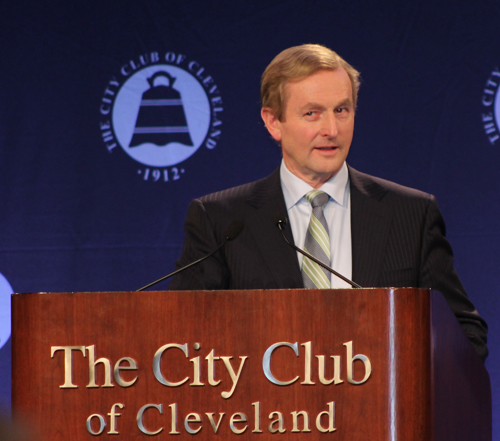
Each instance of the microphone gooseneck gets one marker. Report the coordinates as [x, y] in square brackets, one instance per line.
[281, 223]
[233, 231]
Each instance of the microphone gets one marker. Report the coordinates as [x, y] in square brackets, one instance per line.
[281, 223]
[233, 231]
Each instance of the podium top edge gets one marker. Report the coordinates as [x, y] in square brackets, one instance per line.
[333, 290]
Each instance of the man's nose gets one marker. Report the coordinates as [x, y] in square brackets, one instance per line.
[329, 127]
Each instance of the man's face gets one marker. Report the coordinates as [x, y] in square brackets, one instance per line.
[318, 126]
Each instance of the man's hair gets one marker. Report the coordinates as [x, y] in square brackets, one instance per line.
[295, 64]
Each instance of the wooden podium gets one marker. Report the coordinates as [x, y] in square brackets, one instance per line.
[349, 364]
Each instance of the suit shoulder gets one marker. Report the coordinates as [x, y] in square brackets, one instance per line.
[250, 192]
[233, 194]
[377, 187]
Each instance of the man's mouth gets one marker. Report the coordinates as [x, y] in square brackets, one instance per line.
[327, 148]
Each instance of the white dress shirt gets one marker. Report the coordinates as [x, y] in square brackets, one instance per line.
[337, 213]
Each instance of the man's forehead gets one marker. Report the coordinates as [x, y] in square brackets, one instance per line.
[314, 87]
[338, 70]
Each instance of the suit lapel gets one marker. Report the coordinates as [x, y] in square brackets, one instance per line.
[265, 207]
[370, 226]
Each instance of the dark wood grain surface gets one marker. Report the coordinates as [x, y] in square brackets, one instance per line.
[419, 388]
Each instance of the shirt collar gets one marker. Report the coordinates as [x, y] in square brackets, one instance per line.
[295, 188]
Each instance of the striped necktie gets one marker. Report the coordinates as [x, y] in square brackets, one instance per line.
[317, 243]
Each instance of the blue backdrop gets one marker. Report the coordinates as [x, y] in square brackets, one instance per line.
[82, 210]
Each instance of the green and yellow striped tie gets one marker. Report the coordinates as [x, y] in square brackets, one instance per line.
[317, 243]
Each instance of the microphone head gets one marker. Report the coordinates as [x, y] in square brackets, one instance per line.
[234, 229]
[280, 221]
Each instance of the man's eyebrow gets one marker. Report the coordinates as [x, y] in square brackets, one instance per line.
[346, 102]
[312, 105]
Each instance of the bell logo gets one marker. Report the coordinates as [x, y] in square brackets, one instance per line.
[161, 119]
[160, 112]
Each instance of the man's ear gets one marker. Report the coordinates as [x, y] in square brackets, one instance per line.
[272, 123]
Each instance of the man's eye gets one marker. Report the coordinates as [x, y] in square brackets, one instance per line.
[310, 113]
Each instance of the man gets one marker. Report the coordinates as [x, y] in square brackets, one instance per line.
[372, 231]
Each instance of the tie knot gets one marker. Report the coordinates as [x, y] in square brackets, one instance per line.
[317, 198]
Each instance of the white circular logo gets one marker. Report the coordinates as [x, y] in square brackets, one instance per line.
[161, 115]
[5, 300]
[161, 112]
[491, 106]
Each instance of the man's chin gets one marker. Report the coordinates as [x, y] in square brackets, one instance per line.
[320, 176]
[331, 168]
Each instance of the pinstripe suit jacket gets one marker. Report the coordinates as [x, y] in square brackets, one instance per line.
[398, 240]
